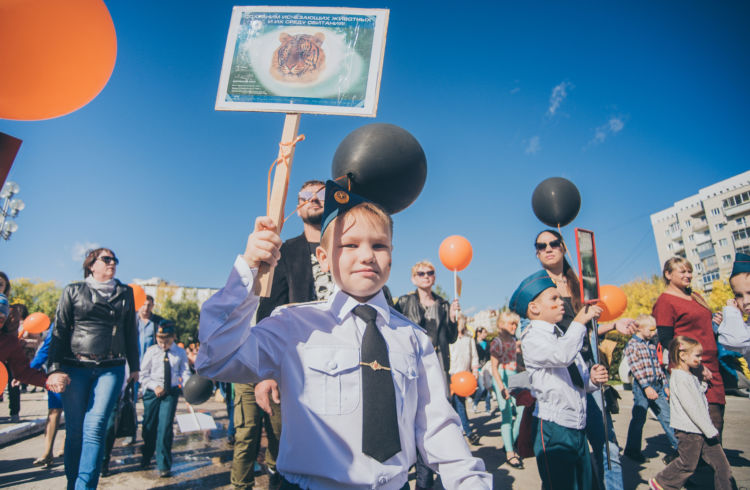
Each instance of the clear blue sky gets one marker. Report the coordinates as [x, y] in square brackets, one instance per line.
[651, 104]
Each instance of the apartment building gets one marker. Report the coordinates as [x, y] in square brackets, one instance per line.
[707, 228]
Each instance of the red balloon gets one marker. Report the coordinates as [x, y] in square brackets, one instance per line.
[3, 376]
[36, 323]
[56, 56]
[613, 302]
[463, 383]
[139, 296]
[455, 253]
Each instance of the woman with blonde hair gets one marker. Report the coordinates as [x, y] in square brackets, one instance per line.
[681, 311]
[503, 350]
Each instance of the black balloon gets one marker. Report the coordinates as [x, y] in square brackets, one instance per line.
[556, 201]
[198, 389]
[384, 163]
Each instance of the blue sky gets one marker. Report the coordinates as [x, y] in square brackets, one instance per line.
[639, 104]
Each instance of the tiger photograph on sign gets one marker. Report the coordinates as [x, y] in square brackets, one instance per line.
[303, 60]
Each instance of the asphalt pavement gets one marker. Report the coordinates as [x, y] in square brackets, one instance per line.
[203, 460]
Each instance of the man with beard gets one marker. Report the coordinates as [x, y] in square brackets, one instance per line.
[297, 278]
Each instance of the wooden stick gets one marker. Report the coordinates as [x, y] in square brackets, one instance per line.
[594, 336]
[278, 197]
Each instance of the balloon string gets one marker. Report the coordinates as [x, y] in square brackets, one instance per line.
[285, 152]
[308, 200]
[567, 250]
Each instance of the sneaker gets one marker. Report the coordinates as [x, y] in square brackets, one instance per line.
[165, 474]
[654, 485]
[638, 457]
[14, 419]
[670, 457]
[145, 463]
[474, 438]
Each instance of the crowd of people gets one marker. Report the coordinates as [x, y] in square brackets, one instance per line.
[362, 382]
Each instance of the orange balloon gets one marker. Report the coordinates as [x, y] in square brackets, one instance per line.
[56, 56]
[139, 296]
[36, 323]
[455, 253]
[613, 302]
[463, 383]
[3, 376]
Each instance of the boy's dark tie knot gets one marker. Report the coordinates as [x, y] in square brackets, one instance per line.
[380, 438]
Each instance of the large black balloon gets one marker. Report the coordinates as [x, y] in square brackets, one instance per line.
[198, 389]
[384, 163]
[556, 201]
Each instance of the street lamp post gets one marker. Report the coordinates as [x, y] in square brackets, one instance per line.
[10, 209]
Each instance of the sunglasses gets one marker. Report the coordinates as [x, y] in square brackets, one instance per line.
[310, 195]
[108, 260]
[425, 273]
[553, 244]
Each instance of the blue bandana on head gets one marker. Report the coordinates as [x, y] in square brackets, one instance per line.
[741, 264]
[530, 288]
[338, 200]
[4, 307]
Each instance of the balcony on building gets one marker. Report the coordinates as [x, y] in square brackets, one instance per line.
[735, 210]
[700, 224]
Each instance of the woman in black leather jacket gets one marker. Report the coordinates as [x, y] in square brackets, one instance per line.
[95, 334]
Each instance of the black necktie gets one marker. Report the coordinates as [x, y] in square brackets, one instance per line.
[167, 372]
[380, 438]
[575, 374]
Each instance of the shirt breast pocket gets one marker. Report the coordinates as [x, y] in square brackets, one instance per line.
[332, 379]
[405, 374]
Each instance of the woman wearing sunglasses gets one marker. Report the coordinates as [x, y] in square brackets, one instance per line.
[440, 319]
[95, 334]
[550, 250]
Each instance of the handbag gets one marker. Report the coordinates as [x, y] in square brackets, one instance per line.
[126, 420]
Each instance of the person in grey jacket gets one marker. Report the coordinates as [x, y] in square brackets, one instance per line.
[697, 435]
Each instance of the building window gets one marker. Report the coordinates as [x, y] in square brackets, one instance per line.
[741, 221]
[743, 250]
[719, 226]
[741, 234]
[736, 200]
[723, 242]
[670, 246]
[691, 237]
[675, 227]
[716, 211]
[711, 261]
[726, 258]
[698, 267]
[710, 277]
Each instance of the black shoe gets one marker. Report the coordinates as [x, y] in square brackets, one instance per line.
[230, 440]
[145, 463]
[165, 474]
[638, 457]
[670, 457]
[105, 471]
[274, 480]
[474, 438]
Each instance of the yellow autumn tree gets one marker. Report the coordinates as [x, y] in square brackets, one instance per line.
[642, 294]
[719, 295]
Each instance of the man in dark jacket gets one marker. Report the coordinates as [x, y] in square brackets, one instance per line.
[440, 319]
[297, 278]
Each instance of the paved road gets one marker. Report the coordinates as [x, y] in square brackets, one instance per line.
[203, 460]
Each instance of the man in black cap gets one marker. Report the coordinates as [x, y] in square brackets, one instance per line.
[297, 278]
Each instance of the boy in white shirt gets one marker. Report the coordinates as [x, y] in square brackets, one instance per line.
[559, 382]
[164, 370]
[362, 384]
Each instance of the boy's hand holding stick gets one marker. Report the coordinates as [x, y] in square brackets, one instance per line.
[263, 244]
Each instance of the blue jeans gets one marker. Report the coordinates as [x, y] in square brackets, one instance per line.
[482, 392]
[459, 404]
[641, 403]
[595, 435]
[88, 402]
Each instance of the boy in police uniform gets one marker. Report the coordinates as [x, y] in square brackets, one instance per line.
[164, 370]
[559, 382]
[361, 384]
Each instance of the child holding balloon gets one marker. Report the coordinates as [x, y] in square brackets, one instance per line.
[560, 379]
[362, 384]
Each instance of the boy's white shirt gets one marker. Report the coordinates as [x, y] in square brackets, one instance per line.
[312, 350]
[547, 356]
[734, 333]
[152, 367]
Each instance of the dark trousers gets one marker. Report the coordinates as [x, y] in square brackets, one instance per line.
[693, 447]
[158, 417]
[249, 420]
[14, 396]
[562, 457]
